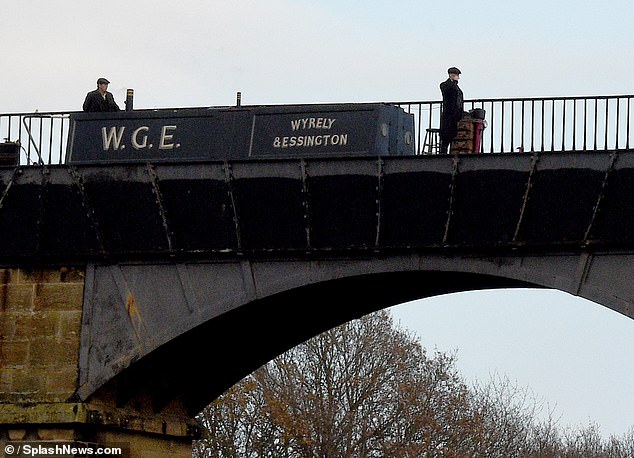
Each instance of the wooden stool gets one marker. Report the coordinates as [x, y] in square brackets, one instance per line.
[431, 144]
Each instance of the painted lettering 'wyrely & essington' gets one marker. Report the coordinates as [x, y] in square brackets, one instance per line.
[113, 137]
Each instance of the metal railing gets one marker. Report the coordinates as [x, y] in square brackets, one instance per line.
[536, 124]
[42, 136]
[540, 124]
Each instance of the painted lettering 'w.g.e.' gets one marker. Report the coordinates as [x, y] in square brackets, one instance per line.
[113, 138]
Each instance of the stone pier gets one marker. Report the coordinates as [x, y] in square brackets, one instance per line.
[40, 328]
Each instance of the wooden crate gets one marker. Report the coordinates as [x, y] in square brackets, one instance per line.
[9, 153]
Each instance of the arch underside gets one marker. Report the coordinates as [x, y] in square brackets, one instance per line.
[188, 332]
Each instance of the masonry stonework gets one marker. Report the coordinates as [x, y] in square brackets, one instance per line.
[40, 329]
[40, 325]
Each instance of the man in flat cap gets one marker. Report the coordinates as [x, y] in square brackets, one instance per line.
[452, 109]
[100, 100]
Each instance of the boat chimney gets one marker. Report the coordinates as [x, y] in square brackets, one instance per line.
[129, 100]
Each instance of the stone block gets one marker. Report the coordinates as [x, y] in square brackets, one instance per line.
[39, 275]
[28, 383]
[59, 296]
[8, 325]
[50, 352]
[8, 275]
[16, 297]
[56, 434]
[22, 322]
[70, 324]
[6, 381]
[43, 325]
[62, 383]
[17, 434]
[13, 353]
[72, 275]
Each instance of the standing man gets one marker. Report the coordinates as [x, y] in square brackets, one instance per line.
[100, 99]
[452, 109]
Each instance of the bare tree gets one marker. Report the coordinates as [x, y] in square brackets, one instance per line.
[508, 420]
[368, 389]
[363, 389]
[622, 447]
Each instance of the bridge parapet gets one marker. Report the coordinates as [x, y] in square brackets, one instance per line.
[521, 124]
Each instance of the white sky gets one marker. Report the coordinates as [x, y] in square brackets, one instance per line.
[575, 356]
[571, 352]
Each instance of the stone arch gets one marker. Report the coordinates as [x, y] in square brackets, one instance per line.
[272, 305]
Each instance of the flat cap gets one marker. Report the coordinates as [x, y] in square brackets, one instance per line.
[103, 81]
[454, 70]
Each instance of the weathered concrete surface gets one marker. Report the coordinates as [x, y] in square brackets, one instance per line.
[154, 328]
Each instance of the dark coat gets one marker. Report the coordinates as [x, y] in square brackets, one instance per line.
[96, 103]
[452, 108]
